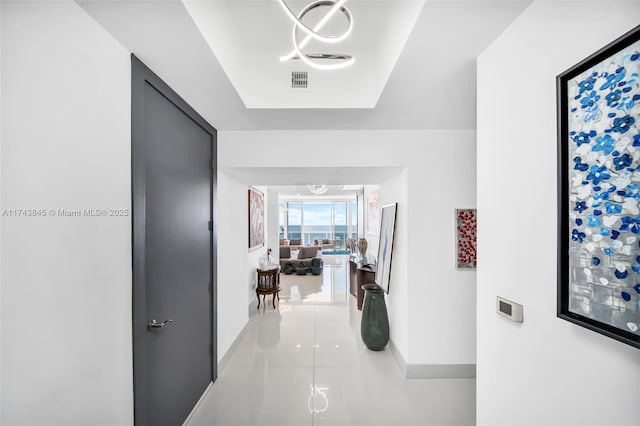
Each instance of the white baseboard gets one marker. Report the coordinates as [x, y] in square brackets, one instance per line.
[221, 365]
[227, 356]
[253, 306]
[398, 357]
[441, 371]
[432, 371]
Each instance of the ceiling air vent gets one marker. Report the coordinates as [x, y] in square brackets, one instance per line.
[299, 79]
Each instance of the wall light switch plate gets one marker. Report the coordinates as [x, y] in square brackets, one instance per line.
[509, 309]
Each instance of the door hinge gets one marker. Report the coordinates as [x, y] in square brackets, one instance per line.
[211, 164]
[210, 226]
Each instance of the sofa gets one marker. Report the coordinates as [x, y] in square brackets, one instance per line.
[325, 244]
[307, 261]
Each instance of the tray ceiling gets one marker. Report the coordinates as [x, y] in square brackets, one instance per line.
[248, 37]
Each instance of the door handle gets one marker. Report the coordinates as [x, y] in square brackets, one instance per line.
[155, 324]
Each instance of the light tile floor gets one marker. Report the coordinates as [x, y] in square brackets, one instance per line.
[305, 364]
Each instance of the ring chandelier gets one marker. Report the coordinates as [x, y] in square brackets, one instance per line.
[310, 58]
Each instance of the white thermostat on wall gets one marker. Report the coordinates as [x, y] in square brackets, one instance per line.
[509, 309]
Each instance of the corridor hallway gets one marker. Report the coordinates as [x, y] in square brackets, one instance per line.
[304, 363]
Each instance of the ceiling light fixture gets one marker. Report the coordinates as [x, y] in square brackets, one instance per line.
[296, 53]
[318, 189]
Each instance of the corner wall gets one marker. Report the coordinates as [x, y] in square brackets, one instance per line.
[233, 274]
[66, 280]
[253, 257]
[438, 176]
[237, 265]
[271, 224]
[545, 371]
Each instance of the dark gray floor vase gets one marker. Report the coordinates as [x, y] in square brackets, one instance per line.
[374, 326]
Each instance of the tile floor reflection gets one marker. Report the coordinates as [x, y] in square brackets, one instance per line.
[305, 364]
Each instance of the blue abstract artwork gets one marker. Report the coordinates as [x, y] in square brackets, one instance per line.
[601, 154]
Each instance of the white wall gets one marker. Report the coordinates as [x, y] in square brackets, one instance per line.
[438, 175]
[236, 265]
[66, 281]
[400, 286]
[253, 257]
[233, 274]
[545, 371]
[271, 222]
[443, 298]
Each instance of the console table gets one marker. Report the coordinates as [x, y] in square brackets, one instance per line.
[358, 276]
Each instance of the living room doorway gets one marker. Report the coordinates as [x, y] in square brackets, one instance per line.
[322, 220]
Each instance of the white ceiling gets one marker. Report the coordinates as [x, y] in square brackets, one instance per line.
[432, 86]
[291, 182]
[301, 192]
[302, 176]
[248, 37]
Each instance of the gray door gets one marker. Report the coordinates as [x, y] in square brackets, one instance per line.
[173, 162]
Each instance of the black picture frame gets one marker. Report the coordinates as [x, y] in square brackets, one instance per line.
[385, 246]
[593, 119]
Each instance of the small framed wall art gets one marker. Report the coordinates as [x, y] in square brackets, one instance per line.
[256, 219]
[599, 191]
[373, 212]
[466, 229]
